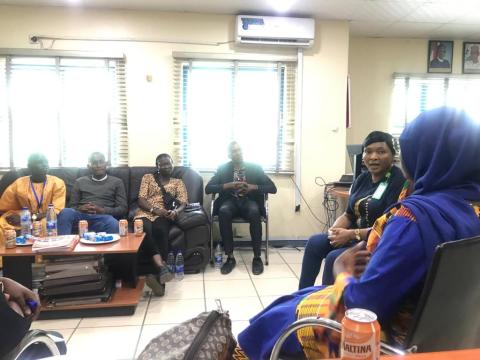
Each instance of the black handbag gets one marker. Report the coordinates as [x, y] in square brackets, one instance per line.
[193, 215]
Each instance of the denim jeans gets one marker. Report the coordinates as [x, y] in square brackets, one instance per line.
[69, 218]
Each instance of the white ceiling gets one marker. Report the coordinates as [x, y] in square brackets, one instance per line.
[441, 19]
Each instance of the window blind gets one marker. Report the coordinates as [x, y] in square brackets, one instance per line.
[413, 94]
[64, 107]
[217, 101]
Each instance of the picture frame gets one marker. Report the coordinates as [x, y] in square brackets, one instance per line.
[471, 57]
[440, 56]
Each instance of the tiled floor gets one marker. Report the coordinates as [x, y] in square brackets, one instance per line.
[242, 293]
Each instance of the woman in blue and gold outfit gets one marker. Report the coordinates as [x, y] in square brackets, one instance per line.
[440, 152]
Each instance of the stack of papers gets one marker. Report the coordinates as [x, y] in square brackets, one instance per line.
[63, 243]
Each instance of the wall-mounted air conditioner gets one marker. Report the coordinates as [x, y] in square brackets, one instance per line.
[272, 30]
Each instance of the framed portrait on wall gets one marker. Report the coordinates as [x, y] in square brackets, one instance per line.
[471, 58]
[440, 55]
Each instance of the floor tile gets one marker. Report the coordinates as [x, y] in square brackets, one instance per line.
[273, 257]
[148, 333]
[104, 343]
[238, 273]
[56, 324]
[267, 287]
[274, 271]
[229, 288]
[238, 308]
[166, 311]
[135, 319]
[194, 277]
[297, 269]
[238, 327]
[66, 333]
[182, 290]
[291, 256]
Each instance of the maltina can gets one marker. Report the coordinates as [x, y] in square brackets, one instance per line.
[82, 227]
[138, 227]
[360, 335]
[123, 227]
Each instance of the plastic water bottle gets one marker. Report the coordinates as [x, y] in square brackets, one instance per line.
[179, 272]
[51, 221]
[25, 222]
[171, 262]
[218, 257]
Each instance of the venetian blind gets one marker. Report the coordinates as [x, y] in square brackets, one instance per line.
[65, 108]
[217, 101]
[413, 94]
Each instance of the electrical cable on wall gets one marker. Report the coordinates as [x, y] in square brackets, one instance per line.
[325, 225]
[38, 39]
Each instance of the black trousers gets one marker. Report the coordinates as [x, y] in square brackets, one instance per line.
[248, 210]
[156, 237]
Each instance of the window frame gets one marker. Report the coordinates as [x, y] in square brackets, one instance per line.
[285, 148]
[115, 117]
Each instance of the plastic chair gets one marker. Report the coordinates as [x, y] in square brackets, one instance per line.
[447, 316]
[239, 220]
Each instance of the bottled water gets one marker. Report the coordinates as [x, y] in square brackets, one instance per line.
[179, 272]
[171, 262]
[25, 222]
[51, 221]
[218, 256]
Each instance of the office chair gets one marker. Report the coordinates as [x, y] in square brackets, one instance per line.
[239, 220]
[38, 344]
[447, 316]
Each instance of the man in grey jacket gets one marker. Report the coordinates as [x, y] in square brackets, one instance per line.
[98, 198]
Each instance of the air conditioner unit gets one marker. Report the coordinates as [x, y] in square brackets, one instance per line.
[272, 30]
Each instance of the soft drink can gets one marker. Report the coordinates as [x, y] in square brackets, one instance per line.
[138, 227]
[82, 227]
[360, 335]
[10, 239]
[37, 228]
[123, 227]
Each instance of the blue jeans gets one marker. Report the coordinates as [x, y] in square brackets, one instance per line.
[68, 218]
[319, 248]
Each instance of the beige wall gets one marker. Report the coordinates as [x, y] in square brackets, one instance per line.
[372, 62]
[150, 103]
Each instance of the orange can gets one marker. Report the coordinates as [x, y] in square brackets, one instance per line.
[123, 227]
[37, 228]
[82, 227]
[10, 239]
[360, 335]
[138, 227]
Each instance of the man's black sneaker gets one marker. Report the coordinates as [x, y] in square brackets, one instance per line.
[228, 266]
[257, 266]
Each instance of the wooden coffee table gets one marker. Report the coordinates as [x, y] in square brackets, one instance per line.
[17, 265]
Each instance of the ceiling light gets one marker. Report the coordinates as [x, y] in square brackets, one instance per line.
[281, 6]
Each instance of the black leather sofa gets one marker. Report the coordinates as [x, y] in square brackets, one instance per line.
[193, 242]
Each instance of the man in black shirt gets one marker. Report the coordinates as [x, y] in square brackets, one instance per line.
[99, 198]
[241, 187]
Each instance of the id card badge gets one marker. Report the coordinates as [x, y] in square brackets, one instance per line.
[377, 195]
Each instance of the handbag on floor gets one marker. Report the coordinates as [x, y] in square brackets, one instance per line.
[207, 336]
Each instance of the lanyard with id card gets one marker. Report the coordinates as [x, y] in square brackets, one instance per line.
[377, 195]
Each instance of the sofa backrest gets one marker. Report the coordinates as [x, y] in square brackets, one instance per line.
[131, 177]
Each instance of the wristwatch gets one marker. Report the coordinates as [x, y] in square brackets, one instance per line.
[357, 235]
